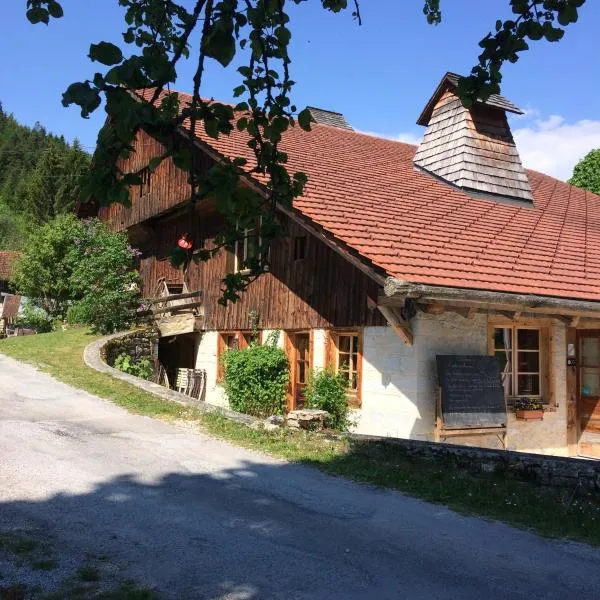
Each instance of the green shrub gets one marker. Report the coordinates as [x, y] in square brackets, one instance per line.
[141, 367]
[326, 390]
[256, 379]
[75, 315]
[33, 317]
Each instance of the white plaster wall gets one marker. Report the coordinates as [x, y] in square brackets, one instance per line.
[319, 343]
[206, 358]
[399, 384]
[399, 381]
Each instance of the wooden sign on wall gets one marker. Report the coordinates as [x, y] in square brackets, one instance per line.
[471, 390]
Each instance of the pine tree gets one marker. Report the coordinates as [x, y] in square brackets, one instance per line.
[42, 187]
[75, 165]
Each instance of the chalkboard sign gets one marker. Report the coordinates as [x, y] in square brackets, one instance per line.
[472, 392]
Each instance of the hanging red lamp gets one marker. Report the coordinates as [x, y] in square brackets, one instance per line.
[184, 242]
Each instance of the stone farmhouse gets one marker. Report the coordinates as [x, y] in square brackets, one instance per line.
[395, 255]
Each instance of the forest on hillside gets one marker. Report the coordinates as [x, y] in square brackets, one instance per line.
[40, 177]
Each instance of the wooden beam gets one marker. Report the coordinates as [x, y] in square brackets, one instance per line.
[575, 321]
[176, 308]
[400, 326]
[435, 308]
[397, 291]
[513, 316]
[173, 297]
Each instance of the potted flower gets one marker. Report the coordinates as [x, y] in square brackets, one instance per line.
[529, 409]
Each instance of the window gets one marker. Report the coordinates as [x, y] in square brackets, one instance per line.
[522, 353]
[299, 247]
[145, 185]
[345, 356]
[247, 248]
[232, 340]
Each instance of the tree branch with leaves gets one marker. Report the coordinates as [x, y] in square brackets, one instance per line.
[157, 35]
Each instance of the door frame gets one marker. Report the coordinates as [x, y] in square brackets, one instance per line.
[291, 352]
[581, 333]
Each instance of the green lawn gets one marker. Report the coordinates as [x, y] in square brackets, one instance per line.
[559, 513]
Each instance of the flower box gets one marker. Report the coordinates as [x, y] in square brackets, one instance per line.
[530, 415]
[529, 409]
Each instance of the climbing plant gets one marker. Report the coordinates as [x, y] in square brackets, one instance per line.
[156, 38]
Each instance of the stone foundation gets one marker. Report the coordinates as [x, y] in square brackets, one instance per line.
[138, 344]
[554, 471]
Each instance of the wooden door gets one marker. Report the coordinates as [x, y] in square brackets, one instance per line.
[588, 381]
[300, 357]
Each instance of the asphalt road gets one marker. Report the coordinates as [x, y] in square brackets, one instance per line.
[198, 518]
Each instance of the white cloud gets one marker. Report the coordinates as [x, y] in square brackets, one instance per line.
[554, 146]
[407, 137]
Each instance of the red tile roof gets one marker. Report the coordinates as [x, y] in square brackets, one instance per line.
[7, 257]
[365, 191]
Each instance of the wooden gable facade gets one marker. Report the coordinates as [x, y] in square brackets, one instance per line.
[320, 289]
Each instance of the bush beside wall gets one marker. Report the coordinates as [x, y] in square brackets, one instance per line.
[256, 379]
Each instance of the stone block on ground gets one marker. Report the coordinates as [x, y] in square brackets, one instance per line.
[312, 419]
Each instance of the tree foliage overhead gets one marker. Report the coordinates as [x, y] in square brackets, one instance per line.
[157, 36]
[40, 177]
[586, 173]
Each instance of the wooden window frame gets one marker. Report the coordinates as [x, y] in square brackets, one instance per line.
[241, 335]
[544, 327]
[290, 351]
[299, 247]
[332, 360]
[244, 251]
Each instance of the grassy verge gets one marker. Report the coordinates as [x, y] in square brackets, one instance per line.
[551, 512]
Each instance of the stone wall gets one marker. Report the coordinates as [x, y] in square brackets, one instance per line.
[399, 381]
[138, 344]
[556, 471]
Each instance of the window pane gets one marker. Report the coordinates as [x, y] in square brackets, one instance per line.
[355, 344]
[529, 362]
[353, 380]
[590, 382]
[232, 342]
[529, 385]
[504, 360]
[528, 339]
[252, 244]
[239, 253]
[344, 343]
[503, 338]
[301, 378]
[590, 350]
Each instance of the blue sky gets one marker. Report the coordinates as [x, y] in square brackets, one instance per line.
[379, 75]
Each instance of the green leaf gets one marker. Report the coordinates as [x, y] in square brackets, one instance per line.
[211, 127]
[38, 15]
[305, 119]
[106, 53]
[55, 9]
[219, 43]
